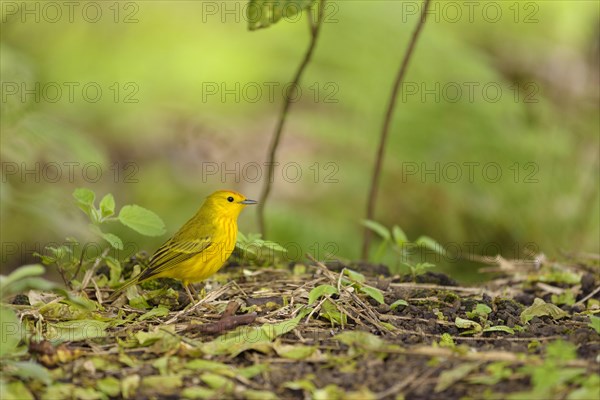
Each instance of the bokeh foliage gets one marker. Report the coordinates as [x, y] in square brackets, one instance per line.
[155, 152]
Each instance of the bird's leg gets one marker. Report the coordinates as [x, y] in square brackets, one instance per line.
[189, 293]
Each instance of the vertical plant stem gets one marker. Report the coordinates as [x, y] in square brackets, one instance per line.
[372, 199]
[290, 94]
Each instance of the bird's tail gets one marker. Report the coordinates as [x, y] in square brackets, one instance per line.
[127, 284]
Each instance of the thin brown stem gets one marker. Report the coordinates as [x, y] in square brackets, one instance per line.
[386, 127]
[290, 94]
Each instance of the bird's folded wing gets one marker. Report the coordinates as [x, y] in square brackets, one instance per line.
[172, 253]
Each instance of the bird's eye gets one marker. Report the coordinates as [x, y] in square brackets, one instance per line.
[230, 199]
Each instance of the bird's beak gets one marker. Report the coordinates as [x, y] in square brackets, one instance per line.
[248, 201]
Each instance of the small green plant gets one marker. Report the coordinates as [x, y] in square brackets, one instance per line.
[481, 313]
[594, 323]
[397, 241]
[350, 280]
[133, 216]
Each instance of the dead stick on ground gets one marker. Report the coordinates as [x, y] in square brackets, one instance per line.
[440, 287]
[484, 356]
[224, 324]
[397, 387]
[367, 311]
[90, 272]
[589, 296]
[231, 309]
[215, 294]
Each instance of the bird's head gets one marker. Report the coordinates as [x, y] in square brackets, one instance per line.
[226, 203]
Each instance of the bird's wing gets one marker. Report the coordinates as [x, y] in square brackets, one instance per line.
[174, 252]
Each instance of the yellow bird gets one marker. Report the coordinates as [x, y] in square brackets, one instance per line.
[200, 247]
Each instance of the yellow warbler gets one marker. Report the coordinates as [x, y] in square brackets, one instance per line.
[201, 246]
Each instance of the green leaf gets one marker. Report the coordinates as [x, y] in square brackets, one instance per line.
[142, 220]
[500, 328]
[353, 275]
[253, 370]
[561, 351]
[447, 341]
[22, 272]
[331, 313]
[85, 201]
[495, 372]
[541, 308]
[208, 365]
[399, 235]
[87, 393]
[301, 384]
[10, 331]
[249, 338]
[113, 240]
[398, 303]
[275, 246]
[567, 298]
[110, 386]
[198, 392]
[450, 377]
[167, 385]
[159, 311]
[238, 341]
[215, 381]
[376, 227]
[281, 328]
[24, 278]
[481, 310]
[130, 385]
[33, 283]
[373, 292]
[568, 277]
[30, 369]
[331, 392]
[115, 270]
[73, 331]
[595, 323]
[321, 291]
[467, 324]
[420, 268]
[363, 340]
[84, 196]
[107, 205]
[252, 394]
[82, 303]
[150, 337]
[294, 352]
[15, 390]
[264, 13]
[427, 242]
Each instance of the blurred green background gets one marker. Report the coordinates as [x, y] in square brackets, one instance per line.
[172, 100]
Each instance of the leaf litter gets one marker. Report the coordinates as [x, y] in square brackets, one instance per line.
[322, 331]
